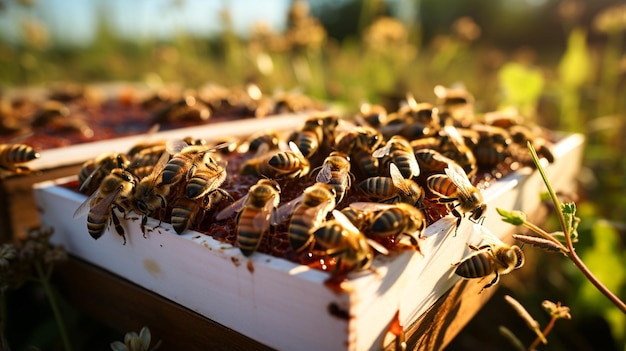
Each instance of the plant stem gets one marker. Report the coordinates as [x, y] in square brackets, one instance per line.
[545, 333]
[568, 240]
[44, 279]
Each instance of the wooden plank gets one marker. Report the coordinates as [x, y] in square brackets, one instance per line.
[124, 306]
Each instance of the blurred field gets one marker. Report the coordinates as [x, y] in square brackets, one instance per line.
[561, 63]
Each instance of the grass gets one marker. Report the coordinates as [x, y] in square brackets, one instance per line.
[578, 89]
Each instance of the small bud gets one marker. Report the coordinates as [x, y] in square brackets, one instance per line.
[530, 321]
[556, 310]
[537, 242]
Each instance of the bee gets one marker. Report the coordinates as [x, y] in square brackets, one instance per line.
[336, 171]
[93, 171]
[393, 189]
[269, 138]
[454, 188]
[13, 155]
[373, 115]
[256, 211]
[358, 142]
[289, 164]
[318, 130]
[521, 135]
[187, 211]
[116, 187]
[308, 211]
[151, 193]
[186, 109]
[455, 104]
[423, 113]
[401, 154]
[393, 220]
[453, 146]
[341, 239]
[492, 258]
[183, 162]
[432, 161]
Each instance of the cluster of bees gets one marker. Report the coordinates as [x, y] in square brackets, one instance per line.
[335, 191]
[83, 114]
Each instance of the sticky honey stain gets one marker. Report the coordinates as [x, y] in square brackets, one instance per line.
[152, 267]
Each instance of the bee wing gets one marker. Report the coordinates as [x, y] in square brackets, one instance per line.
[295, 148]
[324, 175]
[284, 211]
[99, 206]
[345, 222]
[382, 151]
[454, 135]
[262, 218]
[175, 146]
[369, 206]
[232, 208]
[487, 236]
[84, 207]
[398, 180]
[377, 246]
[414, 166]
[89, 178]
[459, 178]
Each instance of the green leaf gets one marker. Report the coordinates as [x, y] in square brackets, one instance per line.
[571, 221]
[512, 217]
[522, 85]
[575, 66]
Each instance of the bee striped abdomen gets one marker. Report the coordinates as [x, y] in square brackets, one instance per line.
[441, 184]
[247, 237]
[17, 153]
[476, 266]
[378, 187]
[299, 230]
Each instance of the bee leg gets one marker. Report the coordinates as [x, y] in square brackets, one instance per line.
[459, 217]
[491, 283]
[118, 226]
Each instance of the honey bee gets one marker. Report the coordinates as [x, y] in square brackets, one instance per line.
[432, 161]
[495, 258]
[151, 194]
[423, 113]
[187, 211]
[393, 189]
[186, 109]
[316, 131]
[336, 171]
[401, 154]
[194, 165]
[455, 104]
[308, 211]
[93, 171]
[13, 155]
[373, 115]
[342, 240]
[393, 220]
[520, 136]
[454, 188]
[289, 164]
[256, 210]
[358, 142]
[269, 138]
[453, 146]
[116, 187]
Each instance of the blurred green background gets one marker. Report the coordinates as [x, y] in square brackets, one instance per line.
[561, 62]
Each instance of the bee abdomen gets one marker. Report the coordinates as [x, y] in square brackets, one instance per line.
[96, 224]
[17, 153]
[299, 234]
[378, 187]
[441, 184]
[247, 237]
[388, 222]
[476, 266]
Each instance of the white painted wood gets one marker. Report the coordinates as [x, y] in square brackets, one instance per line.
[284, 305]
